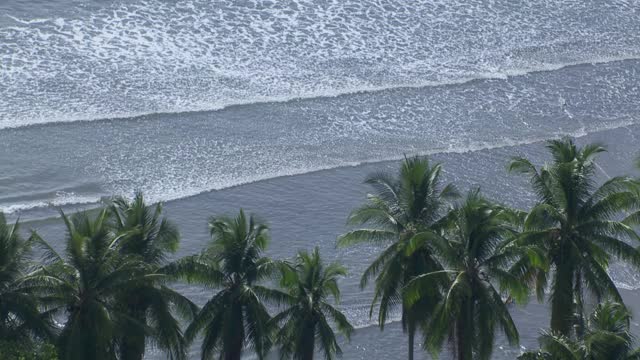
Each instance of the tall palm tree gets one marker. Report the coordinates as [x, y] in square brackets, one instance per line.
[145, 234]
[236, 315]
[401, 207]
[576, 224]
[309, 284]
[82, 287]
[607, 337]
[20, 317]
[472, 310]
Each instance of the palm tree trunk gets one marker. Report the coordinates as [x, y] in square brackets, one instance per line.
[235, 337]
[233, 355]
[309, 347]
[412, 334]
[464, 331]
[562, 300]
[579, 306]
[133, 342]
[132, 347]
[236, 349]
[409, 325]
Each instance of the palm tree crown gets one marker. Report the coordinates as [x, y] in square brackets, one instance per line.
[607, 337]
[144, 231]
[83, 287]
[146, 235]
[472, 310]
[19, 314]
[236, 315]
[413, 202]
[309, 284]
[575, 224]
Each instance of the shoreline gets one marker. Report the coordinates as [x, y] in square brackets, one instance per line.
[506, 145]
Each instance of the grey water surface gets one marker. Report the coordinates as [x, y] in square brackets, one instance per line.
[282, 108]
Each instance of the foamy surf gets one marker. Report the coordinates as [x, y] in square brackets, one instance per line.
[55, 118]
[59, 201]
[145, 57]
[63, 199]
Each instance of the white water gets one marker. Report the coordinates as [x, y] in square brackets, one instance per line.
[160, 192]
[125, 59]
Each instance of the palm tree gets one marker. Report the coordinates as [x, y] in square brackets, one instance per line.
[20, 318]
[575, 223]
[412, 203]
[145, 234]
[472, 310]
[309, 284]
[82, 287]
[236, 315]
[607, 337]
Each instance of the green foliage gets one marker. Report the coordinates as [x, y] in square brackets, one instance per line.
[82, 287]
[144, 234]
[27, 350]
[20, 317]
[403, 213]
[575, 224]
[143, 231]
[309, 284]
[607, 337]
[236, 316]
[471, 310]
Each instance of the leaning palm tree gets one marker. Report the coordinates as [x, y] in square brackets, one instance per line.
[83, 285]
[20, 318]
[412, 203]
[145, 234]
[236, 316]
[607, 337]
[472, 310]
[576, 224]
[309, 284]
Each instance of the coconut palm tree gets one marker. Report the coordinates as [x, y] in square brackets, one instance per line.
[145, 234]
[472, 310]
[83, 285]
[20, 318]
[309, 284]
[236, 316]
[412, 203]
[576, 224]
[607, 337]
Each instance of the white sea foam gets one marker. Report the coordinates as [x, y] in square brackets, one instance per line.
[168, 190]
[62, 117]
[60, 200]
[149, 57]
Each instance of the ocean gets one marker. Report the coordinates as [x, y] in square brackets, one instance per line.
[282, 108]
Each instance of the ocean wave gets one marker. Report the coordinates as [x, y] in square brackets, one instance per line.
[63, 200]
[28, 21]
[71, 199]
[501, 75]
[117, 60]
[473, 147]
